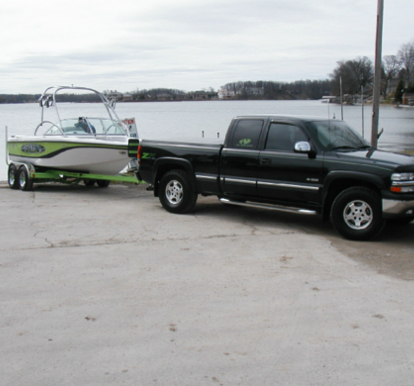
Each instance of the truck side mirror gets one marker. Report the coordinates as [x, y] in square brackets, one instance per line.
[304, 147]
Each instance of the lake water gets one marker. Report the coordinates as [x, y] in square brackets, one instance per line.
[166, 120]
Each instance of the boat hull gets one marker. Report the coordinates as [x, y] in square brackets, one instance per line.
[96, 156]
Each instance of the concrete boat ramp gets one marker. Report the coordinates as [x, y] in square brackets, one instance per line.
[104, 287]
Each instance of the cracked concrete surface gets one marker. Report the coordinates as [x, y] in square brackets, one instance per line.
[104, 287]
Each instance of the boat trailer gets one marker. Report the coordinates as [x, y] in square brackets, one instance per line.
[23, 175]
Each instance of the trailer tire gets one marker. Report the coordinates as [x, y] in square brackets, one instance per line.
[103, 183]
[25, 181]
[89, 182]
[12, 177]
[177, 192]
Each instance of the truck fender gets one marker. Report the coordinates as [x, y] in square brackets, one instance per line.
[350, 175]
[164, 164]
[349, 178]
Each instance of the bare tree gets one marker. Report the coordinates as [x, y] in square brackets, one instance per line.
[354, 73]
[391, 67]
[406, 57]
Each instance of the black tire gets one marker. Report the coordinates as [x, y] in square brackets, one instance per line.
[25, 182]
[177, 192]
[356, 214]
[89, 182]
[103, 183]
[12, 177]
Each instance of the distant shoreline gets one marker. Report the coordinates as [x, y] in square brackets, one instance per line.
[384, 103]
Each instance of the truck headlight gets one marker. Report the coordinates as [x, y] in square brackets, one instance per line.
[402, 177]
[402, 183]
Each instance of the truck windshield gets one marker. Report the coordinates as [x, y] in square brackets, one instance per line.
[337, 135]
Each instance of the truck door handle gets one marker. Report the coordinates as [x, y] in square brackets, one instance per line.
[264, 161]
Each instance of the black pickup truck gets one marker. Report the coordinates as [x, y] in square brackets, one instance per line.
[296, 164]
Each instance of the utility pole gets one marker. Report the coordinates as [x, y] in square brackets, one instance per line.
[342, 102]
[377, 76]
[362, 104]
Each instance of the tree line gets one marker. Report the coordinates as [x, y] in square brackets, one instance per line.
[19, 98]
[397, 74]
[31, 98]
[269, 90]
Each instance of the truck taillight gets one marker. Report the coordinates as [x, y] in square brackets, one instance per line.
[139, 154]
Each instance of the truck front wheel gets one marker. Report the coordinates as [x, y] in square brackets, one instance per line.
[177, 192]
[356, 213]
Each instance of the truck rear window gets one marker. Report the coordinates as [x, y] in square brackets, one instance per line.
[246, 134]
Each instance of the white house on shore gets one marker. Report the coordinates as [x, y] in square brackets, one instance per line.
[226, 94]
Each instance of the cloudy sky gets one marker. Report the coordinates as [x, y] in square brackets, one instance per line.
[187, 44]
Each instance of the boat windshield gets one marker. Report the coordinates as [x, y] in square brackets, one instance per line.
[87, 126]
[337, 136]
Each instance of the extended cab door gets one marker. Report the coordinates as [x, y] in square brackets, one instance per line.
[240, 158]
[285, 175]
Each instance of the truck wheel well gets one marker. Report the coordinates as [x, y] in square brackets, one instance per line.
[161, 171]
[340, 185]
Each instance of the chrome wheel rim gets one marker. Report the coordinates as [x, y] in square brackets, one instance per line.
[12, 177]
[22, 179]
[174, 192]
[358, 215]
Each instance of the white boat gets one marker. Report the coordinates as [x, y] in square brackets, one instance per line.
[82, 144]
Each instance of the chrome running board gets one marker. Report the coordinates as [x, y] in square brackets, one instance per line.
[280, 208]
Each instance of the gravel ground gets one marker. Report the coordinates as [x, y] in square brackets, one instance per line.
[104, 287]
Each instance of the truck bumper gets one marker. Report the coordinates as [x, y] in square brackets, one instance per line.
[397, 208]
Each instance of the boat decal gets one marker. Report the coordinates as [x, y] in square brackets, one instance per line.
[51, 149]
[33, 148]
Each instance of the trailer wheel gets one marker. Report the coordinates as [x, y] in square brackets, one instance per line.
[25, 182]
[12, 177]
[103, 183]
[177, 192]
[89, 182]
[356, 213]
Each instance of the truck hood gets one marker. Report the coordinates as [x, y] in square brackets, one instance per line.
[399, 162]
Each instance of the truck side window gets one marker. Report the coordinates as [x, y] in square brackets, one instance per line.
[246, 134]
[282, 136]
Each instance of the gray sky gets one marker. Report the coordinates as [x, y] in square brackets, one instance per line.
[187, 44]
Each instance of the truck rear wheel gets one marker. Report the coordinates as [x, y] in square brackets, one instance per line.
[356, 213]
[177, 192]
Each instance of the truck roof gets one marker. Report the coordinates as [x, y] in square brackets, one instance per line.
[303, 118]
